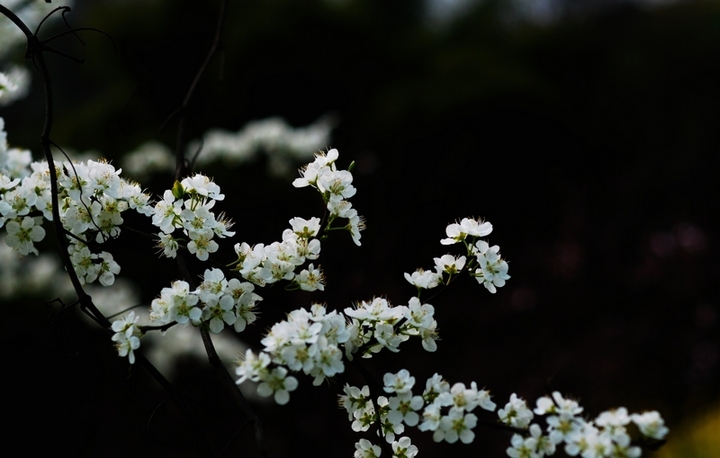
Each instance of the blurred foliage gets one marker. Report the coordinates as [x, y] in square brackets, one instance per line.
[591, 144]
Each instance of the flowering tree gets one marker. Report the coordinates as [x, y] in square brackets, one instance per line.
[87, 203]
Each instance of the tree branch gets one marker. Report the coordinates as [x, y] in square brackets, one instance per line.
[230, 384]
[181, 166]
[181, 170]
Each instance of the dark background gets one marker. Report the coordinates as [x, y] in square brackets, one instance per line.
[589, 141]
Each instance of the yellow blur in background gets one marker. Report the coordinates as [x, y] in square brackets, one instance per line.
[699, 438]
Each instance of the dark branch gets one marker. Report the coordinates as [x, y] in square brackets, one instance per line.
[181, 165]
[181, 170]
[230, 384]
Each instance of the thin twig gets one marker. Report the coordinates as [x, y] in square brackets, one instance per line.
[374, 387]
[181, 166]
[230, 384]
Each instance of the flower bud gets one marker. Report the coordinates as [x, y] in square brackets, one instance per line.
[178, 190]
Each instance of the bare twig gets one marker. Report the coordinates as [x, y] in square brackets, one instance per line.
[182, 168]
[230, 384]
[181, 165]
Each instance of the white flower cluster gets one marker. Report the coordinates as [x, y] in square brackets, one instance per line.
[606, 436]
[336, 187]
[312, 342]
[127, 335]
[91, 198]
[267, 264]
[445, 410]
[486, 265]
[401, 448]
[307, 341]
[377, 325]
[188, 208]
[427, 279]
[459, 401]
[217, 302]
[220, 302]
[459, 232]
[491, 270]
